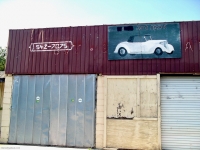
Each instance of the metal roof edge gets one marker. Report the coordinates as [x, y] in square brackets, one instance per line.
[107, 25]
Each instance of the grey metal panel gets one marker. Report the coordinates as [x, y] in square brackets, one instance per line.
[80, 111]
[89, 110]
[180, 111]
[28, 138]
[80, 106]
[38, 109]
[54, 107]
[89, 129]
[90, 92]
[71, 111]
[62, 127]
[46, 111]
[22, 102]
[63, 116]
[14, 109]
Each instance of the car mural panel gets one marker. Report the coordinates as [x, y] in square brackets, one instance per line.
[144, 43]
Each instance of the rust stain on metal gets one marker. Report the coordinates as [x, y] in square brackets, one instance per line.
[32, 33]
[41, 35]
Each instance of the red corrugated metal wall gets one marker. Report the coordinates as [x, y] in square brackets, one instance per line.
[89, 55]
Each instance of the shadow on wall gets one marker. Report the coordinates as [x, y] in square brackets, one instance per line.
[2, 83]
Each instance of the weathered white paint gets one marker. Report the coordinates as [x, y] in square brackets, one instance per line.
[51, 46]
[131, 97]
[139, 131]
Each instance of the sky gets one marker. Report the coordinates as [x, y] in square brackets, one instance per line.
[23, 14]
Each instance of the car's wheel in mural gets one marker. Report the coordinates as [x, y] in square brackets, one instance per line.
[158, 51]
[122, 51]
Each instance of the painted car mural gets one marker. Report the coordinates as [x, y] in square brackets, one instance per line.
[143, 44]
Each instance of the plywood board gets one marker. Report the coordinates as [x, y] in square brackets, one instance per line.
[121, 98]
[132, 134]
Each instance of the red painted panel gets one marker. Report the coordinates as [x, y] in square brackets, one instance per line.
[50, 54]
[25, 55]
[91, 50]
[38, 63]
[72, 53]
[96, 49]
[100, 50]
[105, 49]
[90, 53]
[78, 50]
[66, 54]
[87, 50]
[59, 63]
[196, 44]
[182, 64]
[191, 50]
[55, 56]
[186, 47]
[198, 40]
[16, 51]
[10, 52]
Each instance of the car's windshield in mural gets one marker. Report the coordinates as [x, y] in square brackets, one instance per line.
[143, 44]
[147, 37]
[138, 38]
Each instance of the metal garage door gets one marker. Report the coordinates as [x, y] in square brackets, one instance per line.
[180, 112]
[53, 110]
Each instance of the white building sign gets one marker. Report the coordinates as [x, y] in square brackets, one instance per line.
[51, 46]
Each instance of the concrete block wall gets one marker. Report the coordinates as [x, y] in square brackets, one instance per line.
[100, 112]
[5, 120]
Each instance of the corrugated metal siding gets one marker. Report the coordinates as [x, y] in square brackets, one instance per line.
[180, 113]
[90, 54]
[59, 117]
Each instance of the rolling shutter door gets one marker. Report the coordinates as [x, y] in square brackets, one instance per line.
[180, 112]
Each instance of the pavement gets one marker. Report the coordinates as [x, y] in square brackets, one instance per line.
[31, 147]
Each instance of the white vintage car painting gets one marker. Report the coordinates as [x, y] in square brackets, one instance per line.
[138, 44]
